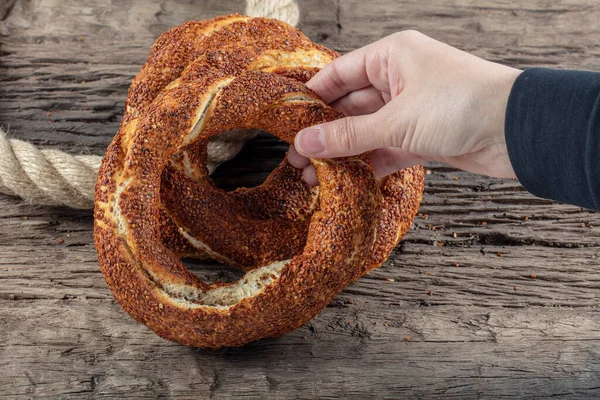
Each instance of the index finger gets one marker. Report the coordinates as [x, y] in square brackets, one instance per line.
[342, 76]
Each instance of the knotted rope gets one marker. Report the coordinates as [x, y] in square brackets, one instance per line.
[55, 178]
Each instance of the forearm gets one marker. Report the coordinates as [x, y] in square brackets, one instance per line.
[553, 134]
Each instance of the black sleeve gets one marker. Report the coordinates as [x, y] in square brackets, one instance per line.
[553, 134]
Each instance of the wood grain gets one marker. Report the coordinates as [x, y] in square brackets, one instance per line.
[493, 294]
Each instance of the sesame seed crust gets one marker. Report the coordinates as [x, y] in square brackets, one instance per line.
[155, 201]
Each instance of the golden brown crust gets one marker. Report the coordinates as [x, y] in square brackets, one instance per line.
[258, 44]
[154, 200]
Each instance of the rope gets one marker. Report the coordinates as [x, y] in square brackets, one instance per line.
[47, 177]
[283, 10]
[55, 178]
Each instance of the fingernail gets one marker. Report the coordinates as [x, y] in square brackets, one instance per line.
[310, 141]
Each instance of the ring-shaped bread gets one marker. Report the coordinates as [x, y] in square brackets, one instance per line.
[332, 237]
[268, 45]
[148, 279]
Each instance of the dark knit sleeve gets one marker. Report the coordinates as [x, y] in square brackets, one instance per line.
[553, 134]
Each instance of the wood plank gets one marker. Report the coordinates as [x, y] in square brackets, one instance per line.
[79, 69]
[497, 290]
[351, 350]
[467, 270]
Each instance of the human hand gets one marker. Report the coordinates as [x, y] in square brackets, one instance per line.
[411, 99]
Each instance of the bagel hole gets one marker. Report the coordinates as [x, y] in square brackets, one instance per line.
[212, 271]
[251, 167]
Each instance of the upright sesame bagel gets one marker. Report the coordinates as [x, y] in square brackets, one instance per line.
[155, 202]
[269, 46]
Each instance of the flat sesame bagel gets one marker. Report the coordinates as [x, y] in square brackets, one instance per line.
[299, 245]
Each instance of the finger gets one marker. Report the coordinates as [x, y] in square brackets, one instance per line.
[344, 137]
[341, 76]
[389, 160]
[310, 176]
[384, 162]
[296, 160]
[363, 101]
[386, 97]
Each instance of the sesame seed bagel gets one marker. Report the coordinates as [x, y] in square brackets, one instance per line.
[155, 202]
[270, 46]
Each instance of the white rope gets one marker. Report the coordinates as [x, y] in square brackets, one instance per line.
[55, 178]
[48, 177]
[283, 10]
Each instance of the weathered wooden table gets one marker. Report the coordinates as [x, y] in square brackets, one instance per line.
[494, 293]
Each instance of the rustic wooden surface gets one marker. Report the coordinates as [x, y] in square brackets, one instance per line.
[455, 312]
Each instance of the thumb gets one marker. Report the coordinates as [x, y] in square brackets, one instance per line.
[343, 137]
